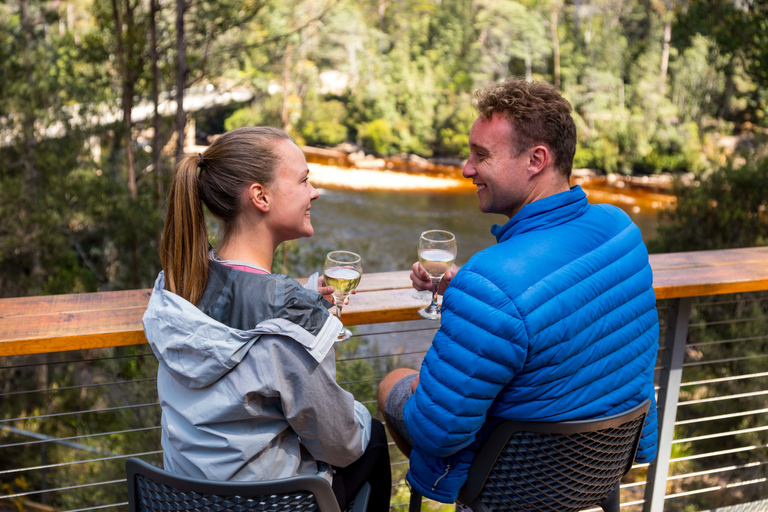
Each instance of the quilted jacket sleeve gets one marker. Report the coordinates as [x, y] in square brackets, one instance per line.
[479, 348]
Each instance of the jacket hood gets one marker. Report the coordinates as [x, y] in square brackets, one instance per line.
[198, 350]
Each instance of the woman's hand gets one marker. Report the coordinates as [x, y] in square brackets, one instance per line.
[327, 291]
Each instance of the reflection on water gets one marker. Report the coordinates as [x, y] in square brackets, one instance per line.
[384, 226]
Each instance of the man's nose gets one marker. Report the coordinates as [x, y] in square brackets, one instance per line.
[469, 170]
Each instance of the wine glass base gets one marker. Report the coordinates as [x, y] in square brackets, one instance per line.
[344, 334]
[429, 314]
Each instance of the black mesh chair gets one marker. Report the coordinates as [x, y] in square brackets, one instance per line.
[151, 489]
[557, 467]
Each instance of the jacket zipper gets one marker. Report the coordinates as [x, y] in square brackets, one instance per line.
[447, 469]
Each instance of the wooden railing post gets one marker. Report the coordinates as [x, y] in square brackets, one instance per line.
[669, 393]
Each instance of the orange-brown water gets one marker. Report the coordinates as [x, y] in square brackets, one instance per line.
[335, 170]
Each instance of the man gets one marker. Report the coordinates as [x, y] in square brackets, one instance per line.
[556, 322]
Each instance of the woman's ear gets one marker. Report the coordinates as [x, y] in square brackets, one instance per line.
[258, 195]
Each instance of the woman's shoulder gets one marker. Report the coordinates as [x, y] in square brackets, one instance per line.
[243, 299]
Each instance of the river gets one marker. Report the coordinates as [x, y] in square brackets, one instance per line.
[380, 214]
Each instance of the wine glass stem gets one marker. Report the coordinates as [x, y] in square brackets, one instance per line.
[339, 303]
[435, 286]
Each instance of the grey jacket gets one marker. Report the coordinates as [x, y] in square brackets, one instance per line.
[247, 380]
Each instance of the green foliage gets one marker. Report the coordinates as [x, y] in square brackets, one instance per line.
[379, 136]
[725, 209]
[263, 112]
[323, 123]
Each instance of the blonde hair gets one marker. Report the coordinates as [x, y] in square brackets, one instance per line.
[217, 179]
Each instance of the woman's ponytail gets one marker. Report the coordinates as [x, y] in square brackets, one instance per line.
[184, 246]
[227, 167]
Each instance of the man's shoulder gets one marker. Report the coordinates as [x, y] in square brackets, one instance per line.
[518, 262]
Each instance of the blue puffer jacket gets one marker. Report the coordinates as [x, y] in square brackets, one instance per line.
[556, 322]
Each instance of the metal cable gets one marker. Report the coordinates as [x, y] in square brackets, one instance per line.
[421, 329]
[719, 434]
[718, 470]
[729, 321]
[77, 387]
[724, 379]
[720, 417]
[727, 360]
[730, 340]
[73, 463]
[69, 438]
[722, 452]
[380, 356]
[53, 415]
[31, 493]
[13, 367]
[716, 488]
[123, 504]
[720, 398]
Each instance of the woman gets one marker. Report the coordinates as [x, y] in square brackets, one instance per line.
[247, 372]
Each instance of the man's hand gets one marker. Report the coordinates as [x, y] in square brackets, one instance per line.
[421, 280]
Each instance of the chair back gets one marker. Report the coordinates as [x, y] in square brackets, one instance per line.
[558, 467]
[151, 489]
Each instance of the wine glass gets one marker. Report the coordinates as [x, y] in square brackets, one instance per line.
[437, 250]
[342, 270]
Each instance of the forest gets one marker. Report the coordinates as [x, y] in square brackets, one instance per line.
[97, 104]
[90, 90]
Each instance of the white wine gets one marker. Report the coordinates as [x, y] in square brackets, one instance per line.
[343, 279]
[436, 261]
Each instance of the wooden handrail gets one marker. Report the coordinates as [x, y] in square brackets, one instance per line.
[55, 323]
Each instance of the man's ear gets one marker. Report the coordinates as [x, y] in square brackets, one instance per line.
[258, 195]
[539, 158]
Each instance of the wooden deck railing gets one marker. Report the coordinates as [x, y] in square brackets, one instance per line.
[34, 325]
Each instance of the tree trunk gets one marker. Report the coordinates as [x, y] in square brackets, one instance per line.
[528, 62]
[157, 141]
[665, 49]
[665, 45]
[31, 178]
[382, 12]
[285, 113]
[555, 45]
[181, 74]
[127, 94]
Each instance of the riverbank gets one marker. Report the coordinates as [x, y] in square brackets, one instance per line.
[337, 169]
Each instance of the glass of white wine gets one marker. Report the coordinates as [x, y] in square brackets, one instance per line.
[437, 250]
[342, 270]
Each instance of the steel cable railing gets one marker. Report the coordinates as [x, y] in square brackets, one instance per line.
[721, 425]
[711, 393]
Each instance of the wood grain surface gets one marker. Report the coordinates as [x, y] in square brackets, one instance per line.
[54, 323]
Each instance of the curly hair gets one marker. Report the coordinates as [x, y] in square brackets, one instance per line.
[539, 115]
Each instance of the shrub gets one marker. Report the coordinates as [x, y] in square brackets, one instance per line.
[726, 209]
[379, 136]
[323, 123]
